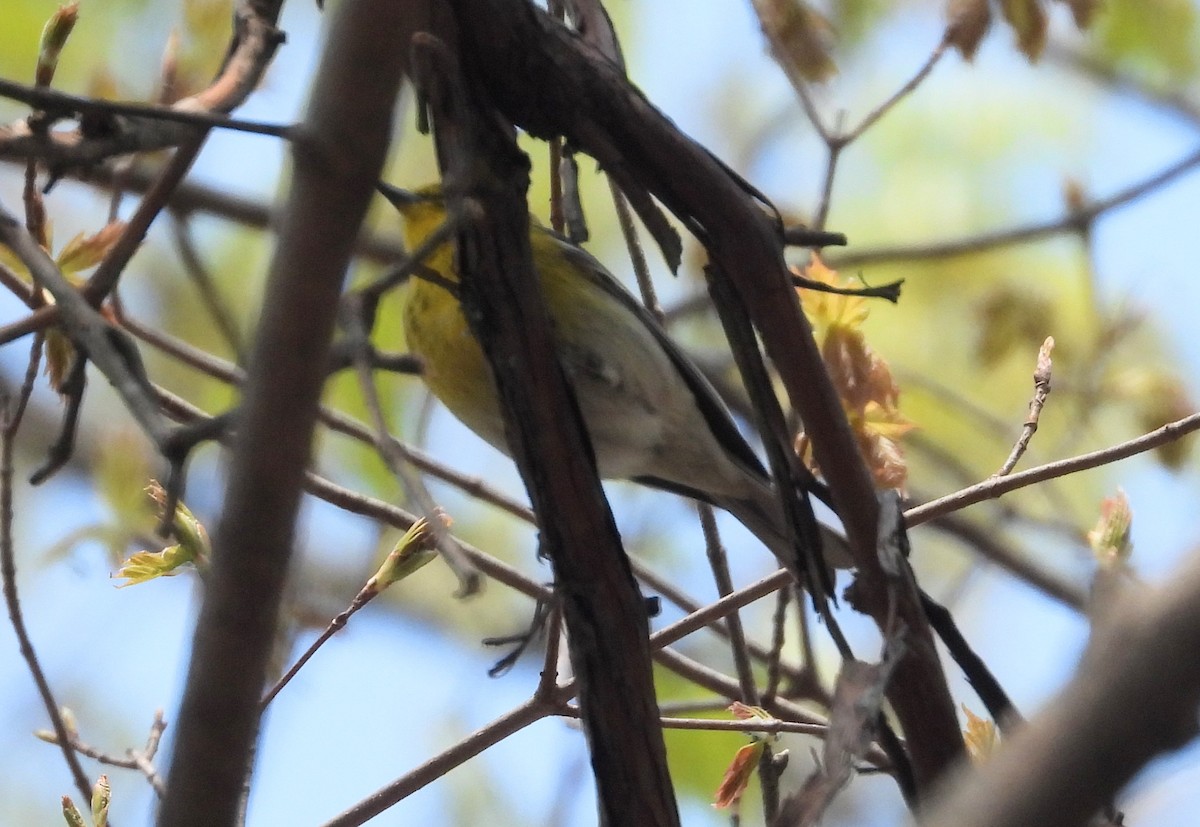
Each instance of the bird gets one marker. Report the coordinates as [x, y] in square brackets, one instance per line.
[651, 415]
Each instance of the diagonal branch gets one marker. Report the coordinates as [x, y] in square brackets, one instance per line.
[604, 613]
[558, 87]
[255, 39]
[1074, 221]
[997, 486]
[110, 349]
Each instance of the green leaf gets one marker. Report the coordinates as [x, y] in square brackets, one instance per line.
[54, 38]
[101, 796]
[1157, 38]
[71, 813]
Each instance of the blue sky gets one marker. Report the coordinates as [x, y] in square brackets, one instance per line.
[391, 690]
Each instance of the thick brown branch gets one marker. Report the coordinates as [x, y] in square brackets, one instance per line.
[346, 135]
[551, 84]
[1134, 697]
[604, 612]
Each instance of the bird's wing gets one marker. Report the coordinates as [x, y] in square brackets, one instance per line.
[716, 415]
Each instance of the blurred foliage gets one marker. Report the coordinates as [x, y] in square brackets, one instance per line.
[1159, 39]
[960, 155]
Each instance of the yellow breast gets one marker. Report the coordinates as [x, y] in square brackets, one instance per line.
[454, 366]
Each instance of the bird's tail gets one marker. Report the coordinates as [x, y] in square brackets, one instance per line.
[762, 514]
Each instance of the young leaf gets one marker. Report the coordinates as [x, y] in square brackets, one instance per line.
[1028, 20]
[1110, 539]
[980, 736]
[969, 21]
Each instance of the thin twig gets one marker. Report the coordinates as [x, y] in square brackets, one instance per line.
[677, 596]
[1041, 384]
[718, 563]
[637, 255]
[810, 109]
[986, 687]
[133, 759]
[904, 91]
[337, 421]
[354, 502]
[982, 538]
[414, 262]
[191, 197]
[539, 706]
[834, 146]
[726, 686]
[13, 416]
[481, 739]
[1070, 222]
[548, 680]
[15, 285]
[105, 278]
[255, 39]
[393, 457]
[756, 726]
[109, 349]
[415, 543]
[995, 487]
[60, 104]
[775, 658]
[335, 168]
[210, 295]
[360, 504]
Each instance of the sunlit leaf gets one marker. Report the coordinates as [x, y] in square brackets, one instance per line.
[738, 775]
[143, 566]
[827, 311]
[193, 547]
[863, 379]
[84, 251]
[184, 525]
[980, 736]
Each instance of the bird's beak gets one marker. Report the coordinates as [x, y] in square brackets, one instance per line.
[399, 198]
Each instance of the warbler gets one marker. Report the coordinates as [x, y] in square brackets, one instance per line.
[651, 415]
